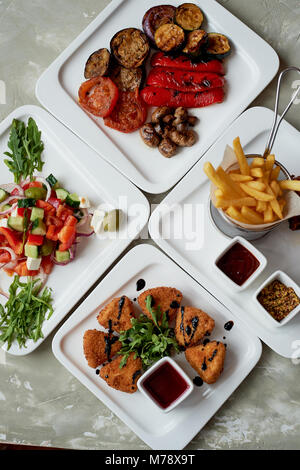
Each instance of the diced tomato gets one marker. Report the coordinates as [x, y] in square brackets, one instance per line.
[71, 221]
[21, 211]
[21, 270]
[47, 264]
[15, 192]
[46, 206]
[36, 240]
[13, 239]
[66, 236]
[54, 202]
[33, 184]
[53, 220]
[4, 256]
[52, 233]
[63, 212]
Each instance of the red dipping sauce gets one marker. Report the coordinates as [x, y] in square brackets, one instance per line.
[238, 264]
[165, 385]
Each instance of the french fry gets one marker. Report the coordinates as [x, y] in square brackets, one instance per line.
[270, 161]
[259, 186]
[236, 215]
[261, 206]
[219, 193]
[293, 185]
[268, 215]
[240, 178]
[252, 216]
[217, 181]
[274, 203]
[275, 173]
[258, 162]
[235, 187]
[276, 188]
[282, 203]
[257, 172]
[242, 160]
[258, 195]
[223, 203]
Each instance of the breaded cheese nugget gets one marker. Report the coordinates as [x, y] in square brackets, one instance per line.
[192, 324]
[117, 314]
[99, 347]
[123, 379]
[168, 298]
[207, 360]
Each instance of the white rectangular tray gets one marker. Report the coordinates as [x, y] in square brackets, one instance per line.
[281, 247]
[79, 168]
[159, 430]
[249, 69]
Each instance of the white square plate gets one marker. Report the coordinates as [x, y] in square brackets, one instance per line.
[159, 430]
[79, 168]
[281, 247]
[249, 69]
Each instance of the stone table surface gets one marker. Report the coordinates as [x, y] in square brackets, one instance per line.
[41, 403]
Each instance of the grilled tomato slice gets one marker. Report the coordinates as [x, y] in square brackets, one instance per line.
[98, 96]
[129, 114]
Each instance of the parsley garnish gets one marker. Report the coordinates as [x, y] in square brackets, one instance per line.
[150, 340]
[26, 148]
[22, 316]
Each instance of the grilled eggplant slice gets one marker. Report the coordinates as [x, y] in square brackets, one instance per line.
[188, 16]
[130, 47]
[218, 46]
[127, 79]
[156, 17]
[169, 38]
[196, 43]
[98, 64]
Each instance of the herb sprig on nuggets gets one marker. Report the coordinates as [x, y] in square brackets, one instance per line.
[149, 340]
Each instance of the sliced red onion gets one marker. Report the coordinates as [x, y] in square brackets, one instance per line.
[9, 187]
[45, 182]
[83, 234]
[10, 251]
[8, 211]
[4, 293]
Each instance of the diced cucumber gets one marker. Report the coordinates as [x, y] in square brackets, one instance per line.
[3, 195]
[4, 208]
[36, 193]
[38, 227]
[47, 247]
[37, 213]
[61, 194]
[29, 202]
[73, 200]
[16, 223]
[62, 256]
[52, 181]
[31, 251]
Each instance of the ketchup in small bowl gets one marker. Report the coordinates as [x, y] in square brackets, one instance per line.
[165, 384]
[241, 262]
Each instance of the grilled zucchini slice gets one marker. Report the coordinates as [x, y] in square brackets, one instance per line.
[218, 46]
[98, 64]
[196, 43]
[188, 16]
[130, 47]
[169, 38]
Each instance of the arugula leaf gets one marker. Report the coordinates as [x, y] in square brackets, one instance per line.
[26, 148]
[150, 340]
[23, 315]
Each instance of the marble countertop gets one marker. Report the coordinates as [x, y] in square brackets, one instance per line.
[41, 403]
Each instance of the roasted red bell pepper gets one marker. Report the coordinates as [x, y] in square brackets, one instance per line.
[13, 239]
[47, 264]
[50, 210]
[53, 220]
[159, 59]
[155, 96]
[52, 233]
[33, 184]
[22, 270]
[67, 237]
[71, 220]
[36, 240]
[4, 256]
[184, 80]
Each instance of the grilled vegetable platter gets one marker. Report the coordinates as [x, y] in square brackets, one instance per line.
[41, 224]
[172, 63]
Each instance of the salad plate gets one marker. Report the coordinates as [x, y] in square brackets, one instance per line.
[79, 168]
[249, 69]
[172, 430]
[196, 246]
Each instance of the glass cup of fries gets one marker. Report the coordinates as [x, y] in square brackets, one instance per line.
[249, 197]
